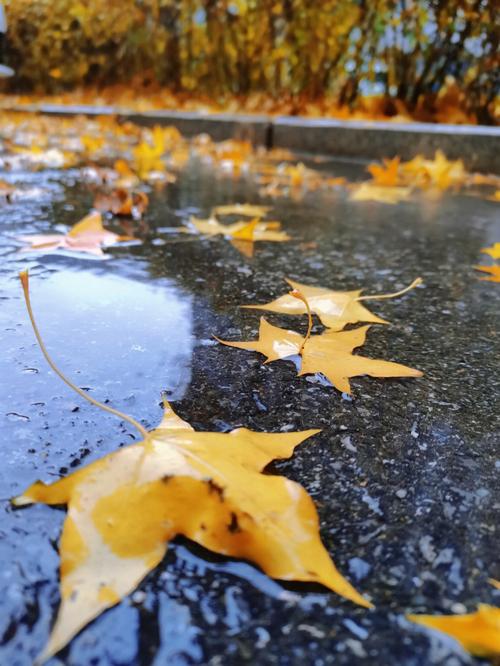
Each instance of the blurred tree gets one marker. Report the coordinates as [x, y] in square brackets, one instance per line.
[420, 55]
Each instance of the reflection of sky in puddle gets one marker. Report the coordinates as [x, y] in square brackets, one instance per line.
[120, 334]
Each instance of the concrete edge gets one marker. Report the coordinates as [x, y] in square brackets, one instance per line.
[477, 146]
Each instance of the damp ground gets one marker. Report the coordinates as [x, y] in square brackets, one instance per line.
[404, 472]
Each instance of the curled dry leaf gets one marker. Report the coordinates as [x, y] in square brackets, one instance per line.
[87, 236]
[336, 309]
[208, 486]
[478, 633]
[329, 354]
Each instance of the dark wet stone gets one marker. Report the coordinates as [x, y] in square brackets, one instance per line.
[404, 473]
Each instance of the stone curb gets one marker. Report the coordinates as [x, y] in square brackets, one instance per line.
[477, 146]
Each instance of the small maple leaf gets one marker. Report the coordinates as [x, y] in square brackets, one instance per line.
[88, 236]
[329, 354]
[147, 159]
[382, 194]
[255, 230]
[439, 172]
[493, 251]
[494, 273]
[387, 174]
[208, 486]
[126, 177]
[336, 309]
[478, 633]
[92, 144]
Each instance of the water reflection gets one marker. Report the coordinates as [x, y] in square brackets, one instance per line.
[117, 334]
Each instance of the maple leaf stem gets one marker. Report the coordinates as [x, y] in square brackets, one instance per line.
[24, 277]
[376, 297]
[298, 294]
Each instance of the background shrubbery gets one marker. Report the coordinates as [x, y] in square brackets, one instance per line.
[405, 50]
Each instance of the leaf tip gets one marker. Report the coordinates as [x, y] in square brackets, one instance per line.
[21, 500]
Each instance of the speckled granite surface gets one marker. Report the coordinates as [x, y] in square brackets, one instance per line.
[404, 474]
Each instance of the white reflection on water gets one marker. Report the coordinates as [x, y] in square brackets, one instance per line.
[121, 336]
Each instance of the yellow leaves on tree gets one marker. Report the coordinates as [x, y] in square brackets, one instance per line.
[478, 633]
[87, 236]
[208, 486]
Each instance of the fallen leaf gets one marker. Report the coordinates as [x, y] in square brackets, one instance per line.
[382, 194]
[88, 236]
[92, 144]
[329, 354]
[208, 486]
[53, 158]
[147, 159]
[478, 633]
[387, 174]
[336, 309]
[494, 272]
[122, 202]
[247, 210]
[493, 251]
[254, 230]
[6, 191]
[126, 177]
[438, 172]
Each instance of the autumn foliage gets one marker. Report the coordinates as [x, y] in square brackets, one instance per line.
[434, 60]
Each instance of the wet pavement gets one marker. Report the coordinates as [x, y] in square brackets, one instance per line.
[404, 473]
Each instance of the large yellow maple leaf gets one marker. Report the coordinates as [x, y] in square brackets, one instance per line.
[336, 309]
[208, 486]
[329, 353]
